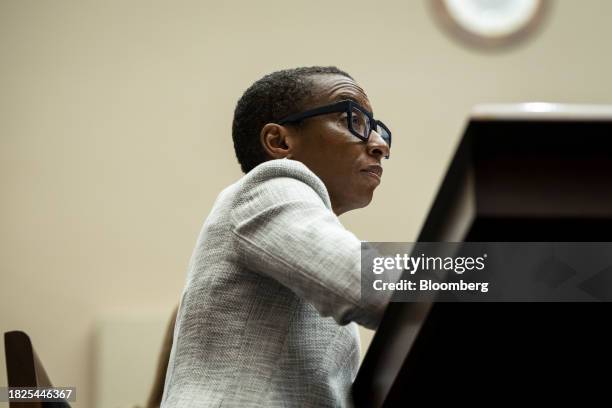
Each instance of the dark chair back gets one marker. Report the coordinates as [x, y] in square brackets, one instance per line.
[24, 369]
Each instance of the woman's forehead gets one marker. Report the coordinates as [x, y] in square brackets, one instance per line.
[332, 88]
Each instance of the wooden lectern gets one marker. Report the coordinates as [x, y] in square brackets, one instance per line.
[521, 173]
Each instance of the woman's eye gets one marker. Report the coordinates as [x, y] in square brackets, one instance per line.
[358, 122]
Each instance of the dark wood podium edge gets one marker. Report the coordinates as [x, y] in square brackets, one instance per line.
[367, 392]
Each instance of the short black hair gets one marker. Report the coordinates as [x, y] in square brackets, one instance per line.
[268, 100]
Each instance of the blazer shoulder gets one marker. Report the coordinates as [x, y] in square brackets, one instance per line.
[285, 173]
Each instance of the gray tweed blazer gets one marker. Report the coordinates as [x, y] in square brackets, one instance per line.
[272, 288]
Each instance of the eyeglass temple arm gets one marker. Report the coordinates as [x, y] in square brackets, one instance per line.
[337, 107]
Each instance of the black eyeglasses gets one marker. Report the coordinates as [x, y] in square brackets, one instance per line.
[360, 122]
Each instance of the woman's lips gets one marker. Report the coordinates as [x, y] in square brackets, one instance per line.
[373, 175]
[374, 171]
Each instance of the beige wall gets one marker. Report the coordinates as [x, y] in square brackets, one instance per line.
[115, 134]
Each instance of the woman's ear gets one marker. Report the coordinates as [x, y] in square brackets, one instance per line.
[276, 141]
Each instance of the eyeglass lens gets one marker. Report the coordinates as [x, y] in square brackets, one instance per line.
[360, 124]
[383, 133]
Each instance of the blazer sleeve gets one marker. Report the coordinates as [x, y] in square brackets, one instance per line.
[285, 230]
